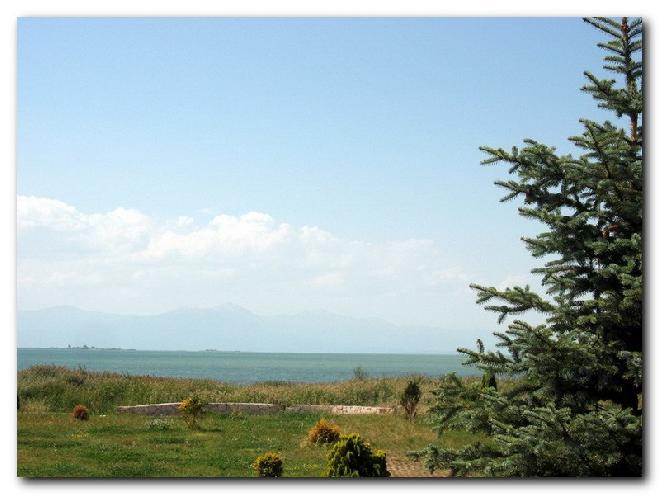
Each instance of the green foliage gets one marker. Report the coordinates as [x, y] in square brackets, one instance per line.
[80, 412]
[359, 373]
[323, 432]
[410, 398]
[103, 391]
[576, 409]
[192, 409]
[353, 457]
[269, 465]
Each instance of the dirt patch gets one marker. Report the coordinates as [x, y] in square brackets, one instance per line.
[403, 467]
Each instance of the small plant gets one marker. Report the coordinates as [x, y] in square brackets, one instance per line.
[410, 398]
[80, 412]
[159, 424]
[191, 409]
[268, 465]
[323, 432]
[352, 457]
[359, 373]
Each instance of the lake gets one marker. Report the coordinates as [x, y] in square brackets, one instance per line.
[246, 367]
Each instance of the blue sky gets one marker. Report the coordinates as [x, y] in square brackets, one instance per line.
[366, 130]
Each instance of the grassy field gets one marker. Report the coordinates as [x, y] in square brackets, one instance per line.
[58, 389]
[51, 443]
[56, 445]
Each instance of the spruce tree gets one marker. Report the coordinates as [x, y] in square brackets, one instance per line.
[575, 408]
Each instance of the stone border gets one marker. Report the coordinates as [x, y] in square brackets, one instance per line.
[171, 408]
[341, 409]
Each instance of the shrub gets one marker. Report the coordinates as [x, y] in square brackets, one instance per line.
[352, 457]
[359, 373]
[191, 409]
[410, 398]
[323, 432]
[80, 412]
[268, 465]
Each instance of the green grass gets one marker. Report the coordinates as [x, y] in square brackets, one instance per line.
[53, 444]
[56, 445]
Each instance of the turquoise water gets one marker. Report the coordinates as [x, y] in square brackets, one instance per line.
[246, 367]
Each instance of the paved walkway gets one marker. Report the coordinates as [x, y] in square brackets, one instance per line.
[402, 467]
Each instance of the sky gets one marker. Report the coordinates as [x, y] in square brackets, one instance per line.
[284, 165]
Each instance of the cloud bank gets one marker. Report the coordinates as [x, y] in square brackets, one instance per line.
[126, 261]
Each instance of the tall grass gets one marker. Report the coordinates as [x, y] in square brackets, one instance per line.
[60, 388]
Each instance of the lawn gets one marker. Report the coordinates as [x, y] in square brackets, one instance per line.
[113, 445]
[51, 443]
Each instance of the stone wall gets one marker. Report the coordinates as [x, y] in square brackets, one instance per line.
[341, 409]
[171, 408]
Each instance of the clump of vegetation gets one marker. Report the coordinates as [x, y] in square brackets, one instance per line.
[352, 457]
[359, 373]
[324, 432]
[76, 377]
[160, 424]
[192, 409]
[410, 398]
[80, 412]
[269, 465]
[103, 391]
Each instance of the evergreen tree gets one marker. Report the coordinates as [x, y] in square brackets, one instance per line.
[575, 410]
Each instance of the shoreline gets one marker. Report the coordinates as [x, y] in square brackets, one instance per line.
[245, 368]
[224, 351]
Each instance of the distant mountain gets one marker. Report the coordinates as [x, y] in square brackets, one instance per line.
[231, 328]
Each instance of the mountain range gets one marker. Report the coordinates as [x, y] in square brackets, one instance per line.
[232, 328]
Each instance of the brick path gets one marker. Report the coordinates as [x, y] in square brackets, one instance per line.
[402, 467]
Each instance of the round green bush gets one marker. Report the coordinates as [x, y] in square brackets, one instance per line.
[410, 398]
[268, 465]
[352, 457]
[323, 432]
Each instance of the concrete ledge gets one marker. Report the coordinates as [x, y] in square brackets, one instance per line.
[172, 408]
[169, 408]
[341, 409]
[243, 407]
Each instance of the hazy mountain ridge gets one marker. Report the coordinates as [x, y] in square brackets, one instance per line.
[230, 328]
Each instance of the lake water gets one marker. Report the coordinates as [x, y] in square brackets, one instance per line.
[247, 367]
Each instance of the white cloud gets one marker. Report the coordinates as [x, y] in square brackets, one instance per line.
[184, 221]
[125, 261]
[48, 219]
[43, 212]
